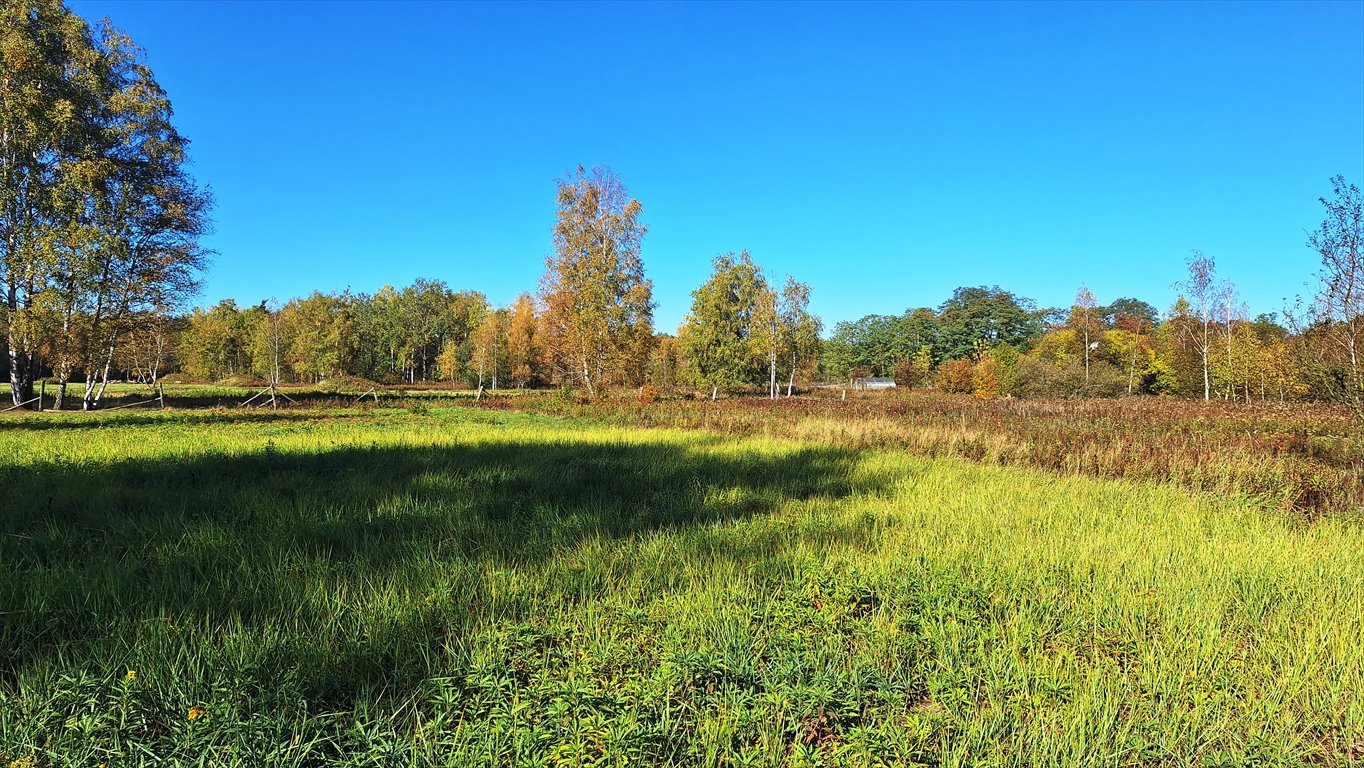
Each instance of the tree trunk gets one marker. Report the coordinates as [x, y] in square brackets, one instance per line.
[20, 359]
[587, 377]
[772, 371]
[1086, 349]
[104, 374]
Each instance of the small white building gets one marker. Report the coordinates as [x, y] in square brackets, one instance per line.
[874, 382]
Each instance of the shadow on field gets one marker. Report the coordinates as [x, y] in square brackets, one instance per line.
[287, 550]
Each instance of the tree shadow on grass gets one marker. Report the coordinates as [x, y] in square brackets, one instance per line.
[288, 550]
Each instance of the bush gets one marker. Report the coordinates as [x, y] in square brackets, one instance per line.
[955, 377]
[180, 378]
[985, 378]
[1038, 378]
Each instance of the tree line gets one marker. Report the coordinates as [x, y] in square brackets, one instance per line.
[989, 342]
[100, 229]
[590, 326]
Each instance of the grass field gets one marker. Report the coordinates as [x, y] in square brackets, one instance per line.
[452, 587]
[1307, 458]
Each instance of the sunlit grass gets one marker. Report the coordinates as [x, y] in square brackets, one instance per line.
[485, 588]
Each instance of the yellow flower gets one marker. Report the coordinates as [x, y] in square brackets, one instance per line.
[132, 674]
[196, 712]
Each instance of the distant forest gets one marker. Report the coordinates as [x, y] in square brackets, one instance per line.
[101, 230]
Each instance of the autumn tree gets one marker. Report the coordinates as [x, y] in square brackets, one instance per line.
[451, 363]
[665, 363]
[598, 303]
[523, 342]
[150, 212]
[217, 341]
[149, 349]
[317, 335]
[489, 348]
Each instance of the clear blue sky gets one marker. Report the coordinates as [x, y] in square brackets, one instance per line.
[883, 153]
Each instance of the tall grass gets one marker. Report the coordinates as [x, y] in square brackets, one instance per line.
[483, 588]
[1306, 458]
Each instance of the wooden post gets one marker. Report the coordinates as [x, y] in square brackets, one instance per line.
[42, 391]
[161, 394]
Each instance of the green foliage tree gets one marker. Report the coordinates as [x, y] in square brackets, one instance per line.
[217, 341]
[99, 222]
[718, 333]
[990, 314]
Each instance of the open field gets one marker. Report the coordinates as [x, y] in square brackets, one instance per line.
[477, 587]
[1300, 457]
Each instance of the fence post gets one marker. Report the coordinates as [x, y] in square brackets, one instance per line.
[42, 391]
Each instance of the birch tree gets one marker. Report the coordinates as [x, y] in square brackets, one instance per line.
[47, 66]
[1085, 320]
[489, 348]
[1334, 323]
[1200, 290]
[767, 335]
[801, 329]
[598, 303]
[99, 222]
[523, 342]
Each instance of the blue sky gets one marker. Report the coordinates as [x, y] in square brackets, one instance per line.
[884, 153]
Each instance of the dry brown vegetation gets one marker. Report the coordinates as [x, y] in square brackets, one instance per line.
[1307, 458]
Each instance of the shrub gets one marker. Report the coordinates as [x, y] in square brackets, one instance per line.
[985, 378]
[955, 377]
[1038, 378]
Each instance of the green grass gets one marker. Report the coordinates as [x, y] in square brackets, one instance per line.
[486, 588]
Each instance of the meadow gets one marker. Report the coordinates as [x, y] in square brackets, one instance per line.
[532, 581]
